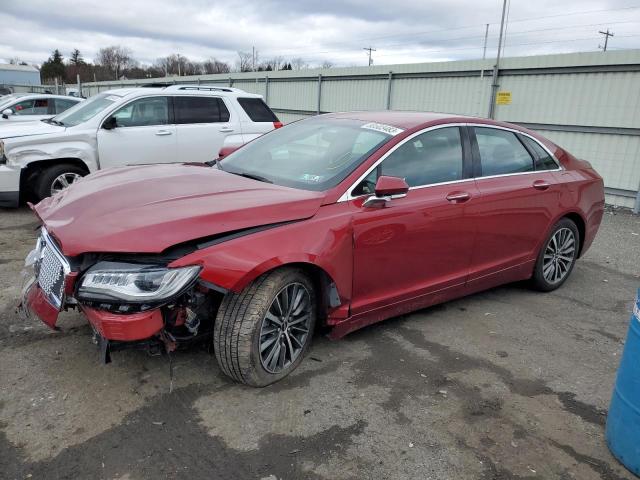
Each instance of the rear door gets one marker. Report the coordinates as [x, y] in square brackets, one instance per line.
[202, 124]
[519, 196]
[144, 134]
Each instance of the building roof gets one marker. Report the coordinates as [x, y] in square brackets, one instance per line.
[18, 68]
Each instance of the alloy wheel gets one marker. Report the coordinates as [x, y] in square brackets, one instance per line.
[63, 181]
[285, 328]
[559, 255]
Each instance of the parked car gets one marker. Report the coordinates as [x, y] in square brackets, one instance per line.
[4, 91]
[341, 220]
[127, 127]
[29, 107]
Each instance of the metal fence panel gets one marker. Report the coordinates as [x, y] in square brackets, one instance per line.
[587, 102]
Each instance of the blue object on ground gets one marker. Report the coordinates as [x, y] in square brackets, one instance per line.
[623, 421]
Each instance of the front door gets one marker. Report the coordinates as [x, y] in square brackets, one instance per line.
[420, 244]
[143, 135]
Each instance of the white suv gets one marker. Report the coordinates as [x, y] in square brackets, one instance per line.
[128, 126]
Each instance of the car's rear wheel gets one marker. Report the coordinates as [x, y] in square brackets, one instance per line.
[56, 178]
[557, 256]
[262, 333]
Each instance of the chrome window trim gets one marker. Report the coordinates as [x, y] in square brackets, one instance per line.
[346, 196]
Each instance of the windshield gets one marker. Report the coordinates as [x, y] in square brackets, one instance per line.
[83, 111]
[314, 154]
[9, 99]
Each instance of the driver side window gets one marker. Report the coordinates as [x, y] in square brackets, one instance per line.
[144, 112]
[432, 157]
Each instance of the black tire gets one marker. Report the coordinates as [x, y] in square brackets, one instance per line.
[46, 177]
[239, 322]
[542, 282]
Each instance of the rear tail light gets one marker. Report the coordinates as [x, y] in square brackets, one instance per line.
[277, 124]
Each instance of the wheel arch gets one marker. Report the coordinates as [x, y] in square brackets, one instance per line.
[327, 289]
[576, 218]
[32, 169]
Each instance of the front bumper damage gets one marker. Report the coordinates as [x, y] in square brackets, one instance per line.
[49, 288]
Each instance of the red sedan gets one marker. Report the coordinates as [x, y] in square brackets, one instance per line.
[338, 221]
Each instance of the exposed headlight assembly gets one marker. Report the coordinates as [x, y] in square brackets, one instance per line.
[116, 282]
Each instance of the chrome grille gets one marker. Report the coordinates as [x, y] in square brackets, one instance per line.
[51, 271]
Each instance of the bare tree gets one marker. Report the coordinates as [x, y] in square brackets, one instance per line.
[115, 58]
[214, 65]
[298, 63]
[275, 63]
[245, 61]
[327, 64]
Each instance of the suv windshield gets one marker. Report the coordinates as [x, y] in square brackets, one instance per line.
[314, 154]
[83, 111]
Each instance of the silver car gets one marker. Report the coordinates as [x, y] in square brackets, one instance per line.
[24, 107]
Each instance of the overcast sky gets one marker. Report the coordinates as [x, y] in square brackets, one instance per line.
[402, 31]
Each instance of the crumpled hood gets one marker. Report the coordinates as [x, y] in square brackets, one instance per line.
[23, 129]
[147, 209]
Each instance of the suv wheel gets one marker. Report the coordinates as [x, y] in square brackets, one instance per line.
[262, 333]
[557, 256]
[56, 178]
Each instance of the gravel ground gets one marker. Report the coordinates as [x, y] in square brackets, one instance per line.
[505, 384]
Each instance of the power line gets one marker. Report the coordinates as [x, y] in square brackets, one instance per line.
[466, 27]
[469, 37]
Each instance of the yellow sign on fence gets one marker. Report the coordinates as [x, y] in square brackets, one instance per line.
[503, 98]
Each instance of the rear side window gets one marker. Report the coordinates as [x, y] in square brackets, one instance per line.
[543, 160]
[62, 105]
[200, 109]
[257, 110]
[501, 152]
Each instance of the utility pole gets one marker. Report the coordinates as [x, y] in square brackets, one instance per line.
[253, 59]
[486, 35]
[496, 67]
[369, 49]
[606, 34]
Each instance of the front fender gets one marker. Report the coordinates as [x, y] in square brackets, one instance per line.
[324, 241]
[22, 155]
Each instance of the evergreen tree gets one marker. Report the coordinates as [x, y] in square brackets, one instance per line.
[53, 67]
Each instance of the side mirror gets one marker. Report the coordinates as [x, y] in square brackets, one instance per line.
[386, 189]
[6, 112]
[110, 123]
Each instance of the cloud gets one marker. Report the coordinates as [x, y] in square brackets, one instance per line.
[407, 31]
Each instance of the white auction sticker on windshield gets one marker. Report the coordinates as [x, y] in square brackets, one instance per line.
[381, 127]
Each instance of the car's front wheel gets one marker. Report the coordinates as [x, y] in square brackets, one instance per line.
[262, 333]
[557, 256]
[56, 178]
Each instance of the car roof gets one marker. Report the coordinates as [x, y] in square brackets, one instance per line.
[409, 119]
[182, 89]
[27, 96]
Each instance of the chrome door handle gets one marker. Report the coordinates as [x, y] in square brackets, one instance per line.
[458, 197]
[541, 185]
[160, 133]
[226, 129]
